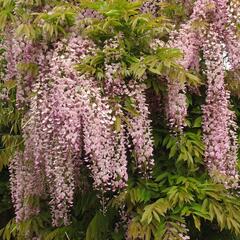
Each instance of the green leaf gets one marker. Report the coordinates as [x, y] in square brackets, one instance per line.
[99, 226]
[193, 79]
[197, 122]
[197, 222]
[159, 208]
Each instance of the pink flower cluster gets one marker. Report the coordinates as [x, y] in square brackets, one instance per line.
[105, 149]
[217, 36]
[151, 6]
[140, 130]
[218, 120]
[12, 50]
[21, 57]
[71, 122]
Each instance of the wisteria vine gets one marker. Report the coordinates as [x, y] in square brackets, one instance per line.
[72, 121]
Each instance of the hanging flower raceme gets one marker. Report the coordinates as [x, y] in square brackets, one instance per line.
[187, 39]
[176, 106]
[24, 186]
[140, 130]
[12, 51]
[218, 121]
[226, 18]
[61, 141]
[221, 155]
[138, 124]
[104, 149]
[27, 181]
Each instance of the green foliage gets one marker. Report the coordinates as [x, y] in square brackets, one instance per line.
[180, 191]
[185, 148]
[33, 24]
[132, 34]
[100, 226]
[10, 119]
[5, 202]
[6, 12]
[170, 195]
[55, 22]
[21, 231]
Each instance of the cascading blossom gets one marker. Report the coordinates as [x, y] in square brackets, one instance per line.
[140, 130]
[139, 125]
[54, 127]
[21, 56]
[72, 124]
[24, 187]
[218, 120]
[105, 151]
[188, 41]
[219, 127]
[12, 51]
[219, 124]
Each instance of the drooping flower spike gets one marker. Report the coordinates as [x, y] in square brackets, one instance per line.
[218, 37]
